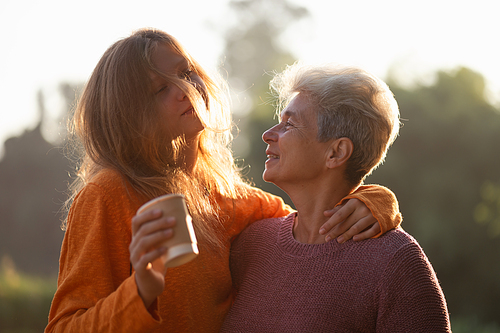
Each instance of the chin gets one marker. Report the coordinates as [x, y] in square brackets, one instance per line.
[267, 177]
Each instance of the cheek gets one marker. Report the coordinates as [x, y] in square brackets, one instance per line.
[164, 108]
[163, 119]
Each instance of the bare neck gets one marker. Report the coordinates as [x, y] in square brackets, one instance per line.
[311, 202]
[189, 156]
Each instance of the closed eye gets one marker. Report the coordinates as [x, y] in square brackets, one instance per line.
[162, 88]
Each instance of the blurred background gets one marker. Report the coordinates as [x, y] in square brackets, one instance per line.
[439, 57]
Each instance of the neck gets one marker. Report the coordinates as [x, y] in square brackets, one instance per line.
[311, 201]
[189, 156]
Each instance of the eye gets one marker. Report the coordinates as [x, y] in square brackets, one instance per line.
[162, 88]
[287, 125]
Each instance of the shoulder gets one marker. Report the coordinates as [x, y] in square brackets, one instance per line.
[404, 256]
[260, 230]
[108, 180]
[265, 224]
[266, 205]
[380, 252]
[255, 196]
[395, 239]
[111, 186]
[399, 241]
[253, 205]
[106, 195]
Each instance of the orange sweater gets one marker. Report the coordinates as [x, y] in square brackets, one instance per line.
[96, 285]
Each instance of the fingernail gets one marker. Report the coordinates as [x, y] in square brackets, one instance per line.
[321, 231]
[328, 238]
[340, 239]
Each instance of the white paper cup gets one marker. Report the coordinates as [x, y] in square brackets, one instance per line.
[182, 247]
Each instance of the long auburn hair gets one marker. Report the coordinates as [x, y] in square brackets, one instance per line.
[116, 126]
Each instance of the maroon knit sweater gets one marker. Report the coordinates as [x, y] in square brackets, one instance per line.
[385, 284]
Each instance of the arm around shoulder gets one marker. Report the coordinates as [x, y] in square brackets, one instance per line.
[382, 203]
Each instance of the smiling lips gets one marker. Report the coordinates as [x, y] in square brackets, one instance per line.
[271, 156]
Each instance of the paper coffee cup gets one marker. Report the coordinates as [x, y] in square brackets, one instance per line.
[182, 247]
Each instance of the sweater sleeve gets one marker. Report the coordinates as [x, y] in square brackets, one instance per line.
[96, 289]
[410, 297]
[382, 203]
[256, 205]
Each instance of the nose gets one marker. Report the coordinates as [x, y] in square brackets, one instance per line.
[198, 84]
[201, 87]
[270, 135]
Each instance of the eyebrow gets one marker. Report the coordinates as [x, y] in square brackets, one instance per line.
[291, 114]
[159, 81]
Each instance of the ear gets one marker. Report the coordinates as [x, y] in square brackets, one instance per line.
[339, 152]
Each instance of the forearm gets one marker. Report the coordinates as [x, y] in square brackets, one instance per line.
[382, 203]
[122, 310]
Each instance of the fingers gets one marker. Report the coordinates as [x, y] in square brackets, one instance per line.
[361, 227]
[142, 245]
[150, 278]
[140, 219]
[337, 223]
[149, 231]
[369, 233]
[329, 213]
[353, 218]
[144, 262]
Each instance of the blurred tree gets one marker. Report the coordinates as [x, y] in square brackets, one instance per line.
[444, 170]
[488, 210]
[252, 50]
[33, 181]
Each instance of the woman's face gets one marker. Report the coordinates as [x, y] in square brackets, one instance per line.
[294, 154]
[175, 109]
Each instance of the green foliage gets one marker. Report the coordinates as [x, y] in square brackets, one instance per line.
[488, 210]
[472, 325]
[24, 300]
[444, 170]
[252, 52]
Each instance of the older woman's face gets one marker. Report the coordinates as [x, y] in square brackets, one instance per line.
[175, 108]
[294, 154]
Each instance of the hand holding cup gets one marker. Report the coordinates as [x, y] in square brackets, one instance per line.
[162, 236]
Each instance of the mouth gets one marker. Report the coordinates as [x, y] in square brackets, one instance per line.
[271, 156]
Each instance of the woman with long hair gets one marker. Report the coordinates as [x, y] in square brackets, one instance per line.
[151, 121]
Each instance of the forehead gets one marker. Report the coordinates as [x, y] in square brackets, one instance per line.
[299, 108]
[166, 59]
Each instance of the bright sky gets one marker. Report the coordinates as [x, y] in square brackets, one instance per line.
[46, 42]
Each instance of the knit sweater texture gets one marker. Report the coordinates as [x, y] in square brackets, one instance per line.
[97, 291]
[377, 285]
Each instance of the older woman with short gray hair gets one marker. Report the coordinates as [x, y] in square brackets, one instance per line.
[335, 129]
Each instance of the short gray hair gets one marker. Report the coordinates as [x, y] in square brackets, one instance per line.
[349, 102]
